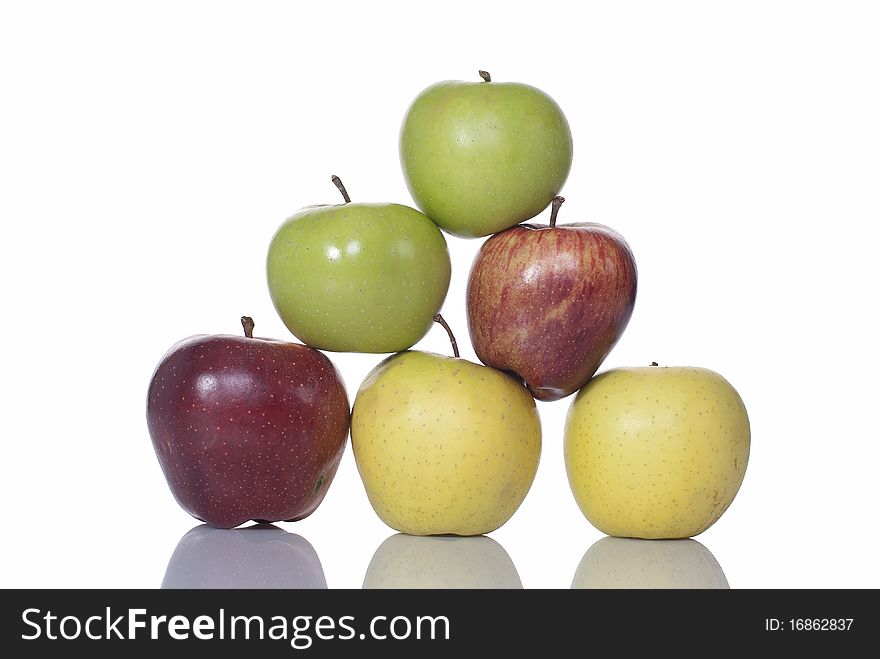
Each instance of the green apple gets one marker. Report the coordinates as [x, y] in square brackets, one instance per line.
[358, 277]
[406, 561]
[628, 563]
[443, 445]
[480, 157]
[656, 452]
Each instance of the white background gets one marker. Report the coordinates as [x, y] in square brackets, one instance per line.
[149, 150]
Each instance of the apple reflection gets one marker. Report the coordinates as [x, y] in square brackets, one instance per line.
[260, 556]
[629, 563]
[407, 561]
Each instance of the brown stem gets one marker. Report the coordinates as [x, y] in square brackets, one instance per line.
[554, 209]
[485, 76]
[439, 319]
[248, 324]
[338, 183]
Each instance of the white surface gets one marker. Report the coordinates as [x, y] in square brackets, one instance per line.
[148, 151]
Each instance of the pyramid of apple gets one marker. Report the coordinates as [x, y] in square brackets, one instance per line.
[253, 429]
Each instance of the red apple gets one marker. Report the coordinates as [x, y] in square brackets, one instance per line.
[246, 428]
[548, 303]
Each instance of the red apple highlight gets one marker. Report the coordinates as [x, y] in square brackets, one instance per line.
[548, 303]
[247, 428]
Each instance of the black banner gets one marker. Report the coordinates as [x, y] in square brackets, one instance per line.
[335, 623]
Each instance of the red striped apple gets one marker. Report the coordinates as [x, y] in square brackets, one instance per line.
[548, 303]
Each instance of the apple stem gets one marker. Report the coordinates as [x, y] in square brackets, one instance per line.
[248, 324]
[554, 209]
[338, 183]
[485, 76]
[439, 319]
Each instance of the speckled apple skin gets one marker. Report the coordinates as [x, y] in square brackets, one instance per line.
[444, 445]
[479, 157]
[358, 277]
[549, 303]
[247, 428]
[656, 452]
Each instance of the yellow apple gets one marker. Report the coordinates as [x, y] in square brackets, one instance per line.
[443, 445]
[628, 563]
[406, 561]
[656, 452]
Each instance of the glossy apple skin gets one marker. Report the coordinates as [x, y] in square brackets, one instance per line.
[247, 429]
[656, 452]
[358, 277]
[444, 445]
[479, 157]
[549, 303]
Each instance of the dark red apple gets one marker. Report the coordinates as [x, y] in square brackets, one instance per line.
[247, 428]
[548, 303]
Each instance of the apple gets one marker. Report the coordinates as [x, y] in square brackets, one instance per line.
[656, 452]
[548, 303]
[479, 157]
[261, 556]
[247, 428]
[406, 561]
[443, 445]
[358, 277]
[628, 563]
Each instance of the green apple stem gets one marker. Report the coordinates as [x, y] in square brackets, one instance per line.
[554, 209]
[485, 76]
[338, 183]
[439, 319]
[248, 324]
